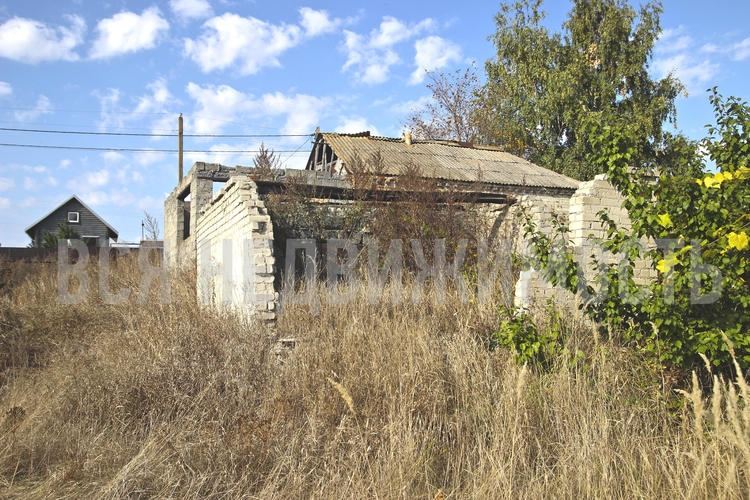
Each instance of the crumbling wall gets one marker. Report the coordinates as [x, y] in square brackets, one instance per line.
[581, 212]
[531, 286]
[234, 241]
[184, 205]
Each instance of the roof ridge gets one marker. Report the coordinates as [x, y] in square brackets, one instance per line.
[366, 133]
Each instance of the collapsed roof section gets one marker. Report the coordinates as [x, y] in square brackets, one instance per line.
[446, 160]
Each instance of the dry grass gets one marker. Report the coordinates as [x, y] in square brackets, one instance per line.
[377, 401]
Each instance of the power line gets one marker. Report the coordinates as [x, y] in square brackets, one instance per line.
[16, 122]
[136, 150]
[134, 113]
[80, 132]
[48, 110]
[237, 123]
[288, 157]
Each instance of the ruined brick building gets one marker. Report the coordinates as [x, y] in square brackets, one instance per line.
[199, 219]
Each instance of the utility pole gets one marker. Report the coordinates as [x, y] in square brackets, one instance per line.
[179, 149]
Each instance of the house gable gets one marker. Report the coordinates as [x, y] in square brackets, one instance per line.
[89, 223]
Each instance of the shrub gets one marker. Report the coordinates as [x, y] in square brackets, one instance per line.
[700, 303]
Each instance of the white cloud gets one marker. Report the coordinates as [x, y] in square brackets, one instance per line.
[116, 197]
[122, 197]
[29, 41]
[115, 115]
[90, 181]
[191, 9]
[159, 97]
[317, 22]
[692, 73]
[213, 101]
[4, 203]
[248, 41]
[373, 56]
[113, 157]
[675, 54]
[151, 204]
[672, 40]
[27, 202]
[64, 164]
[380, 102]
[710, 47]
[37, 170]
[213, 156]
[404, 107]
[392, 31]
[43, 106]
[6, 183]
[741, 50]
[355, 124]
[5, 89]
[251, 43]
[128, 32]
[110, 110]
[738, 51]
[97, 179]
[158, 102]
[433, 53]
[33, 183]
[303, 111]
[148, 159]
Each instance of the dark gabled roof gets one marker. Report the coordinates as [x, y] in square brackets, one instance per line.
[74, 197]
[448, 160]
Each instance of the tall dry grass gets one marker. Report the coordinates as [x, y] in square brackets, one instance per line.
[384, 401]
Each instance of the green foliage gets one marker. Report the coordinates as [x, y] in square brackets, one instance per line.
[542, 87]
[266, 162]
[700, 304]
[64, 232]
[532, 344]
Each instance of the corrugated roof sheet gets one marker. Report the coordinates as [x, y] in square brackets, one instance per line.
[448, 160]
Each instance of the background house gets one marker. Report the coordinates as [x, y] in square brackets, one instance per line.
[92, 228]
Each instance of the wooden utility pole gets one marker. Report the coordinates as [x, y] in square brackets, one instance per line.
[179, 149]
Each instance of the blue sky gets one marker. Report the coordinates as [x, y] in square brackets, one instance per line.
[251, 68]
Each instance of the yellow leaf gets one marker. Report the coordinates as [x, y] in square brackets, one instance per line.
[738, 241]
[728, 176]
[664, 220]
[711, 182]
[665, 265]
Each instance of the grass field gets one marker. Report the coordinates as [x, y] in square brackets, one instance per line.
[375, 401]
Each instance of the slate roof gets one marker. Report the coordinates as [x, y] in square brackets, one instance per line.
[448, 160]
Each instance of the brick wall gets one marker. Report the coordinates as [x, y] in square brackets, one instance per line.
[234, 241]
[581, 212]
